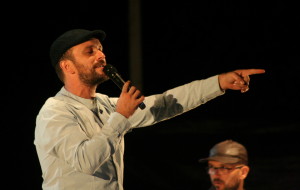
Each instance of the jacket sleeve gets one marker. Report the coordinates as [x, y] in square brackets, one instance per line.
[176, 101]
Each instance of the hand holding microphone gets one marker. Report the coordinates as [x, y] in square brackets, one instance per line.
[113, 74]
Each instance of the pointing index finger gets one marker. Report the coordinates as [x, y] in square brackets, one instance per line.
[246, 72]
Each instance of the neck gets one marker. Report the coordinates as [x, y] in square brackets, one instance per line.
[81, 90]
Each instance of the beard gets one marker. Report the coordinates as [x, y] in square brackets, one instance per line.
[92, 78]
[233, 185]
[89, 76]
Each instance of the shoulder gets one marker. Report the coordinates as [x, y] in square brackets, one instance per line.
[59, 104]
[106, 100]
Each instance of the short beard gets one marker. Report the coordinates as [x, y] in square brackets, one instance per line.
[233, 187]
[229, 187]
[92, 79]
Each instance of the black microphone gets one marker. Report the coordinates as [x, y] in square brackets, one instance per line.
[113, 74]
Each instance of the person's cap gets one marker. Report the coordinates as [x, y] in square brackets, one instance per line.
[72, 38]
[228, 152]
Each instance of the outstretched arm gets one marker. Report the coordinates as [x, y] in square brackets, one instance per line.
[238, 79]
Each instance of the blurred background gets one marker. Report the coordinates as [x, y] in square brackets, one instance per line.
[160, 45]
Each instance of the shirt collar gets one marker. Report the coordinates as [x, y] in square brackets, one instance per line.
[89, 103]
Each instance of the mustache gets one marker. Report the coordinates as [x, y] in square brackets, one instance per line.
[101, 63]
[217, 180]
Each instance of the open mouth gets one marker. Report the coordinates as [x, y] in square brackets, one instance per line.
[100, 65]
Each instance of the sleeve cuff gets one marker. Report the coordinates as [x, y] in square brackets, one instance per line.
[117, 123]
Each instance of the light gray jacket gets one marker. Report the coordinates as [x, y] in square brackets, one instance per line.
[80, 142]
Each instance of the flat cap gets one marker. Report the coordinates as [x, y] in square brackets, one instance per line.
[72, 38]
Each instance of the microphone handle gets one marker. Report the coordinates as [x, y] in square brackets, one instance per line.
[117, 79]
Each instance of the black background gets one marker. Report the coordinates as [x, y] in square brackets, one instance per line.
[181, 42]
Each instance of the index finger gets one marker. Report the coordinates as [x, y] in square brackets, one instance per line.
[245, 72]
[126, 86]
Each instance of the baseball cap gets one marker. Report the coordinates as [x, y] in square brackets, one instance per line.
[228, 152]
[71, 38]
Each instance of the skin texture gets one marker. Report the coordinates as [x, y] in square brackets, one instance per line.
[238, 79]
[230, 180]
[83, 72]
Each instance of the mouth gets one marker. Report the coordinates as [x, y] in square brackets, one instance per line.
[217, 182]
[100, 64]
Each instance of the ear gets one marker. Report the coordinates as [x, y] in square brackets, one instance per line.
[67, 66]
[244, 172]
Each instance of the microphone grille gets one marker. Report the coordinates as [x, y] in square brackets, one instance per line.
[109, 70]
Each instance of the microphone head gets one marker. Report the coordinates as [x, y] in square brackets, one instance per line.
[113, 74]
[109, 70]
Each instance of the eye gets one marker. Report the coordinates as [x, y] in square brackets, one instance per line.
[225, 168]
[91, 51]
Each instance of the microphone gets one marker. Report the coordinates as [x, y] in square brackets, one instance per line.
[113, 74]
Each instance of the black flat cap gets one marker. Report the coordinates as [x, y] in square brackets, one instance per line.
[72, 38]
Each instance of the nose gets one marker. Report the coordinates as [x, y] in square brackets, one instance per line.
[101, 54]
[214, 171]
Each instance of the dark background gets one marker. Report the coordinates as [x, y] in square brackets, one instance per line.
[181, 42]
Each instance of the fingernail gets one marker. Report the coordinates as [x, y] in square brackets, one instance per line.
[244, 90]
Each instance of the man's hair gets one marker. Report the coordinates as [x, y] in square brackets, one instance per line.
[68, 55]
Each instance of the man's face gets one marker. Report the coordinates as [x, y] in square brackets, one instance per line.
[89, 60]
[225, 176]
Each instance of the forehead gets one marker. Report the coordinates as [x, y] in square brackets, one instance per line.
[89, 44]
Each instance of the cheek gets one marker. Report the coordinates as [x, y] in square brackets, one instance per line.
[233, 179]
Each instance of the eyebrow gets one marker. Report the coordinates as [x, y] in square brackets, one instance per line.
[98, 46]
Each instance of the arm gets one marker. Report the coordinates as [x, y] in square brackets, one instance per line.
[186, 97]
[176, 101]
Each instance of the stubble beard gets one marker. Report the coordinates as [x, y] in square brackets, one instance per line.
[93, 78]
[232, 186]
